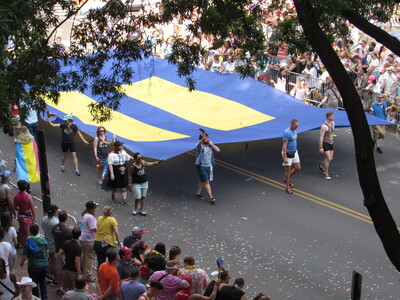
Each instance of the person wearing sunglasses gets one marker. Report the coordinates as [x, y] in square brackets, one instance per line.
[100, 144]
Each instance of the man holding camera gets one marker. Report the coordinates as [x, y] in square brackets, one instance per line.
[204, 163]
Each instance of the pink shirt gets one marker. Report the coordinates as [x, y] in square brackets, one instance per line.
[21, 202]
[171, 284]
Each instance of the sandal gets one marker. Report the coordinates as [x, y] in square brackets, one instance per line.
[290, 183]
[289, 191]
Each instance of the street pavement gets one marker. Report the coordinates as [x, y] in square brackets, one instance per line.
[301, 246]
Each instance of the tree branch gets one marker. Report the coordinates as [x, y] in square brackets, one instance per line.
[381, 217]
[69, 15]
[378, 34]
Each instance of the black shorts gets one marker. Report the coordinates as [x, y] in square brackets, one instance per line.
[327, 147]
[68, 146]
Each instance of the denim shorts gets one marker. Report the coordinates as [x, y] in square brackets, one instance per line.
[140, 189]
[204, 173]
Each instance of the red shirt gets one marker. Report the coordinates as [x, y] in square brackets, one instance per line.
[108, 276]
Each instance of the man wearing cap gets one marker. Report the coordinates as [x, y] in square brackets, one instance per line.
[68, 141]
[72, 264]
[48, 223]
[26, 286]
[378, 109]
[107, 281]
[88, 224]
[389, 85]
[124, 264]
[169, 281]
[136, 235]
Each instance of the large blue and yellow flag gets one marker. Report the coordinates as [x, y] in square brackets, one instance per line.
[160, 118]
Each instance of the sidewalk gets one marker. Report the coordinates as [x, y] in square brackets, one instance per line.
[51, 290]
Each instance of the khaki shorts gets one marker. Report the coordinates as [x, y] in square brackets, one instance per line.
[69, 280]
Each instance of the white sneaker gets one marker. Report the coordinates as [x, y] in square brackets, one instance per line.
[328, 177]
[134, 212]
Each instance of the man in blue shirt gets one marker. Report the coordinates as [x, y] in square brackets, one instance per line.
[291, 159]
[132, 289]
[378, 109]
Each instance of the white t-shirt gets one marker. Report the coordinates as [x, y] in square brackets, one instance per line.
[12, 233]
[5, 250]
[87, 223]
[118, 158]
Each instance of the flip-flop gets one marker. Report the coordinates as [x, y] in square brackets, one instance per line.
[290, 184]
[289, 191]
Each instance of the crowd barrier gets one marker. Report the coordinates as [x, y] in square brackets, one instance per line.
[38, 203]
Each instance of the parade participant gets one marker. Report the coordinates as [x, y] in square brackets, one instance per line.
[199, 277]
[26, 285]
[88, 224]
[23, 204]
[136, 235]
[107, 281]
[153, 292]
[106, 234]
[291, 159]
[100, 150]
[8, 282]
[132, 289]
[138, 182]
[48, 224]
[326, 143]
[118, 170]
[204, 163]
[378, 109]
[332, 97]
[35, 249]
[170, 282]
[69, 130]
[72, 263]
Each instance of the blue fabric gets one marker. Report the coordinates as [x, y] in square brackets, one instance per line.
[291, 137]
[248, 92]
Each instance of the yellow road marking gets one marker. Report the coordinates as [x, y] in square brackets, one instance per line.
[222, 113]
[121, 125]
[300, 193]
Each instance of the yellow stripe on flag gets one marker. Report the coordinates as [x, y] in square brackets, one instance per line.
[30, 161]
[197, 107]
[121, 125]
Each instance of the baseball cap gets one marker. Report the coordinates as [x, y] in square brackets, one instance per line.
[391, 68]
[371, 78]
[91, 204]
[68, 117]
[5, 174]
[118, 143]
[52, 209]
[125, 250]
[138, 230]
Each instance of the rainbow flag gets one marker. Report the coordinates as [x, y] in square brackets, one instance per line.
[26, 156]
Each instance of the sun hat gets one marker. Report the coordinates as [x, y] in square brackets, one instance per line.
[27, 281]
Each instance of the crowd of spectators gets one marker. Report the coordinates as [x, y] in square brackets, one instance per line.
[70, 257]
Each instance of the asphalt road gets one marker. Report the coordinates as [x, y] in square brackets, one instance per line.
[301, 246]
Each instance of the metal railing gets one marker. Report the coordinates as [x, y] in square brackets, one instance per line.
[38, 203]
